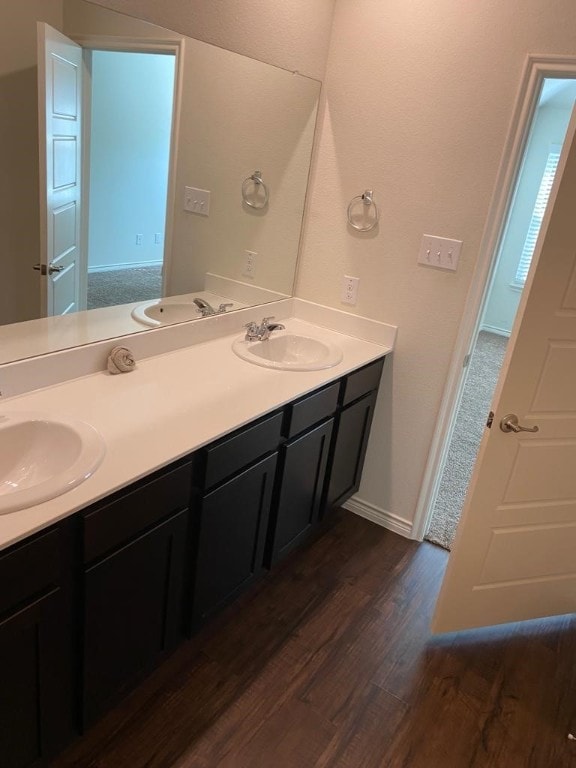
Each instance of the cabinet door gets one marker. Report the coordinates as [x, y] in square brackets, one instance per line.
[133, 612]
[303, 473]
[230, 537]
[35, 691]
[352, 431]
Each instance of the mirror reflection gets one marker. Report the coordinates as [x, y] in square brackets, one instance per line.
[179, 195]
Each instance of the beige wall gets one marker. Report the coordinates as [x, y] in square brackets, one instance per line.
[294, 35]
[237, 115]
[19, 192]
[241, 116]
[419, 98]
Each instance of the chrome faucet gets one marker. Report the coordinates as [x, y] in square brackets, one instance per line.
[207, 309]
[255, 332]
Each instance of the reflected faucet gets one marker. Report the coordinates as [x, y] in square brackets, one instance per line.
[207, 309]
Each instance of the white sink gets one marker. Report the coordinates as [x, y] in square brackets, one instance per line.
[289, 352]
[160, 312]
[41, 458]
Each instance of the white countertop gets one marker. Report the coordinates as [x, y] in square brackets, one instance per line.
[171, 405]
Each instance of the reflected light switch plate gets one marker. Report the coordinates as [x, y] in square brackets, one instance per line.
[197, 200]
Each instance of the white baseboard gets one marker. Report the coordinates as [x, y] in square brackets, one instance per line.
[123, 265]
[495, 329]
[379, 516]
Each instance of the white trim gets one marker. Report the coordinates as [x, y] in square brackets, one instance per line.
[536, 68]
[379, 516]
[494, 329]
[124, 265]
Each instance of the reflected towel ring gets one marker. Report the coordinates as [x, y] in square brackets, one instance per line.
[367, 200]
[255, 201]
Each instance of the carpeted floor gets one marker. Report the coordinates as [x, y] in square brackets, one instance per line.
[122, 286]
[470, 422]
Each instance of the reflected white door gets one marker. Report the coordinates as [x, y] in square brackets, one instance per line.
[59, 101]
[514, 555]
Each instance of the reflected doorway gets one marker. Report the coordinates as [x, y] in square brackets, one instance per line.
[520, 232]
[130, 107]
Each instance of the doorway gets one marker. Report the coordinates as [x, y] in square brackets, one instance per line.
[512, 257]
[131, 107]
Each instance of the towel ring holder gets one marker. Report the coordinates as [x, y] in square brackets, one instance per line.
[367, 199]
[255, 179]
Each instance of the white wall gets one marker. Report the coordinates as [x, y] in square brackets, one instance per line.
[294, 35]
[129, 154]
[549, 129]
[237, 116]
[19, 191]
[419, 99]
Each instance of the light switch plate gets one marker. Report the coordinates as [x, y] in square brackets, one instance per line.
[197, 200]
[439, 252]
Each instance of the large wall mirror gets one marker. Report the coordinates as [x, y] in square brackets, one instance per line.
[189, 177]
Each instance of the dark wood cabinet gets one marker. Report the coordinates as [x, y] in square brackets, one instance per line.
[229, 536]
[134, 547]
[302, 474]
[89, 606]
[351, 432]
[133, 601]
[349, 449]
[37, 650]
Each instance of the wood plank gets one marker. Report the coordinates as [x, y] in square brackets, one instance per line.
[329, 663]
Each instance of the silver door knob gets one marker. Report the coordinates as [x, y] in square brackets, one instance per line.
[51, 268]
[509, 423]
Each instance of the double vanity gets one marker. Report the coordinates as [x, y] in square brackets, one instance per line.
[207, 467]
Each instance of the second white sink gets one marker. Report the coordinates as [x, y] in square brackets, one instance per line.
[289, 352]
[41, 458]
[161, 312]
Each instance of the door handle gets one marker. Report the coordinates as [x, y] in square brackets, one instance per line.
[51, 269]
[509, 423]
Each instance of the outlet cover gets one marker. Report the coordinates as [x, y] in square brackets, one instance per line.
[439, 252]
[249, 268]
[349, 289]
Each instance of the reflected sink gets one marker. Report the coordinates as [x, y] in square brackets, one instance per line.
[289, 352]
[41, 458]
[160, 312]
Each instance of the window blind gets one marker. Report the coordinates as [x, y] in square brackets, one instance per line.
[537, 216]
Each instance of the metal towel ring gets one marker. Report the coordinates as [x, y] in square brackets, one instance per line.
[256, 180]
[367, 200]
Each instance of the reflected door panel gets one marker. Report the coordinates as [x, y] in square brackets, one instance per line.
[60, 92]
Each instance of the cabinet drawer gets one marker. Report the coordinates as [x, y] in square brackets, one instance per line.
[312, 409]
[125, 517]
[229, 455]
[361, 382]
[30, 568]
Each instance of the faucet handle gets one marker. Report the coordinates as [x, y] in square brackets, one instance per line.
[266, 320]
[252, 331]
[224, 307]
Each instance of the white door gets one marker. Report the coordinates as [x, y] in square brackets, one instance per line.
[59, 102]
[514, 556]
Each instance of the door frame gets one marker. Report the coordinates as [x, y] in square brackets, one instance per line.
[536, 68]
[174, 46]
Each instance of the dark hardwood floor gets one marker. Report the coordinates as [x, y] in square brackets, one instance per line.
[329, 662]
